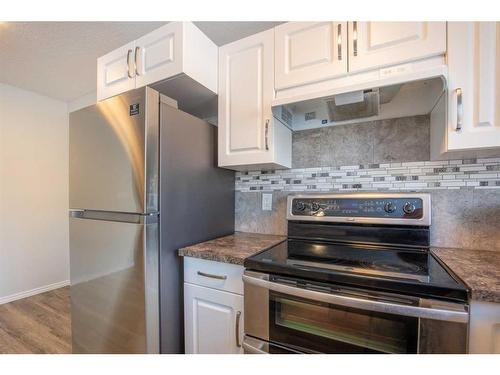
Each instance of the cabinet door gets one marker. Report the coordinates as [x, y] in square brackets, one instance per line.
[246, 89]
[213, 321]
[308, 52]
[484, 332]
[158, 55]
[115, 72]
[376, 44]
[474, 85]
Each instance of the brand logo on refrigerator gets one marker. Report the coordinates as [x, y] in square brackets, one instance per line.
[134, 109]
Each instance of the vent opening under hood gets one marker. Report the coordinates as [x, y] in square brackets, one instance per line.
[353, 105]
[399, 100]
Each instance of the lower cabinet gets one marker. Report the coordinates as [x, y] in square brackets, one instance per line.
[484, 331]
[213, 321]
[213, 315]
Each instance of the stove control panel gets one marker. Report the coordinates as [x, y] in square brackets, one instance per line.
[408, 209]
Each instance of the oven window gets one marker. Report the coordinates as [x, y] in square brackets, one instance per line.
[324, 328]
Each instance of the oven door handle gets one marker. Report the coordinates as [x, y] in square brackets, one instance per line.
[458, 315]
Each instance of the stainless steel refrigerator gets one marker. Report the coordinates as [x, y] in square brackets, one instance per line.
[143, 182]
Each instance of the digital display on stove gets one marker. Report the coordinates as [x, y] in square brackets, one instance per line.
[400, 208]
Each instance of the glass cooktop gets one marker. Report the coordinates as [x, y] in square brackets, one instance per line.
[397, 264]
[411, 271]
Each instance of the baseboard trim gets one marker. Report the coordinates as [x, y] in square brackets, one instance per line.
[32, 292]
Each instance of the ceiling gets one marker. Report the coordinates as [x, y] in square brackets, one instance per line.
[58, 59]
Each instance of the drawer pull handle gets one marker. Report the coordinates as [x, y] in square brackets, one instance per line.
[218, 277]
[238, 317]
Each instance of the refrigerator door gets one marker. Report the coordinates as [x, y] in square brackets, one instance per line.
[114, 282]
[113, 154]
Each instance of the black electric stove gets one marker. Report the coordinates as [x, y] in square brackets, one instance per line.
[370, 241]
[354, 276]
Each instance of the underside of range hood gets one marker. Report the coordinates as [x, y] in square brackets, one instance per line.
[393, 101]
[351, 106]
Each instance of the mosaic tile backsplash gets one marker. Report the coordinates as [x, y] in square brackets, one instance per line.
[406, 176]
[387, 155]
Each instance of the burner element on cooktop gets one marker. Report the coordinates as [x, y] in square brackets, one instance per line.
[390, 270]
[393, 267]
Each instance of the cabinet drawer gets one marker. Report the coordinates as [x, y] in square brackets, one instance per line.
[217, 275]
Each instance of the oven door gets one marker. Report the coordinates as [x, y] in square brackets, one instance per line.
[313, 318]
[326, 328]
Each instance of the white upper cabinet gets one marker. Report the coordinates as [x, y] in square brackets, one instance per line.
[307, 52]
[315, 59]
[115, 72]
[159, 54]
[178, 52]
[474, 85]
[378, 44]
[248, 135]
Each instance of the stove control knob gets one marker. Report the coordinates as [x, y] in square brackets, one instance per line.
[315, 206]
[389, 207]
[300, 206]
[409, 208]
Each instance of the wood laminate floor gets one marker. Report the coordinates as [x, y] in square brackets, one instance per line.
[37, 324]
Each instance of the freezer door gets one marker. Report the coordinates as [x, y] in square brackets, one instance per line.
[113, 154]
[114, 282]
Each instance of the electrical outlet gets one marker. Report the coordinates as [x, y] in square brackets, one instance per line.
[267, 201]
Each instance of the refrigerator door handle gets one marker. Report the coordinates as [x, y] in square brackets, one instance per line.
[123, 217]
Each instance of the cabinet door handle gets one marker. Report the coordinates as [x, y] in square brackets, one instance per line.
[137, 70]
[355, 38]
[460, 109]
[339, 41]
[238, 317]
[128, 63]
[212, 276]
[266, 135]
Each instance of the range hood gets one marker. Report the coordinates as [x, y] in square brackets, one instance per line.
[395, 100]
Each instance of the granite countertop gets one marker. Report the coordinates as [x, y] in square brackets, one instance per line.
[233, 248]
[478, 269]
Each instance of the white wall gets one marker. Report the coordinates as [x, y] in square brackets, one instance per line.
[34, 248]
[83, 101]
